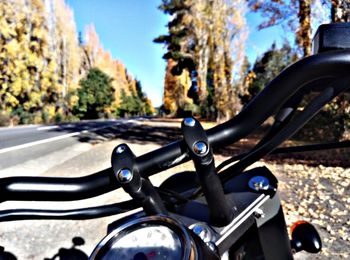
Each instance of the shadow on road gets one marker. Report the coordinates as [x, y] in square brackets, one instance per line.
[6, 255]
[71, 253]
[162, 135]
[131, 132]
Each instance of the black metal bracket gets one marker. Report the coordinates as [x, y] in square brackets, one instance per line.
[200, 152]
[139, 188]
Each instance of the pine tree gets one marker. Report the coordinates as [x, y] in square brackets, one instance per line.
[266, 68]
[94, 94]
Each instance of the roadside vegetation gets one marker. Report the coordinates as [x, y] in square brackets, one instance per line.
[50, 73]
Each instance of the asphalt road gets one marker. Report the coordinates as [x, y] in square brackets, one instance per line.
[24, 143]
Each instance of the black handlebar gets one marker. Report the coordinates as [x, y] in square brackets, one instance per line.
[57, 189]
[313, 71]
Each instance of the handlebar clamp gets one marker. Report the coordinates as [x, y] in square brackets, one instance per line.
[139, 188]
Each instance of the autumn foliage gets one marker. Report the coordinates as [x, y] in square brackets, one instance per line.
[43, 62]
[205, 52]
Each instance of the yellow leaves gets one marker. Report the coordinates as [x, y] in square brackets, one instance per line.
[249, 79]
[3, 88]
[34, 46]
[49, 110]
[73, 100]
[40, 55]
[12, 49]
[16, 87]
[38, 33]
[35, 99]
[39, 4]
[10, 99]
[5, 31]
[33, 59]
[26, 86]
[57, 87]
[45, 84]
[150, 105]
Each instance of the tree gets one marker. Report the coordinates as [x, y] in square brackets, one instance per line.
[199, 41]
[295, 13]
[175, 89]
[266, 68]
[95, 94]
[29, 84]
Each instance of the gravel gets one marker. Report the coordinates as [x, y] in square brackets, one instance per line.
[316, 194]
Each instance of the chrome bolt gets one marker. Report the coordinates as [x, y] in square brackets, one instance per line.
[189, 121]
[124, 175]
[259, 183]
[200, 231]
[200, 148]
[120, 149]
[259, 213]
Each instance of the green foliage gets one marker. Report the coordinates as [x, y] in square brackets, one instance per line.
[45, 117]
[136, 104]
[24, 117]
[95, 95]
[58, 117]
[130, 106]
[267, 67]
[180, 40]
[328, 125]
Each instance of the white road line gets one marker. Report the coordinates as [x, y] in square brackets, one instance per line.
[42, 128]
[48, 140]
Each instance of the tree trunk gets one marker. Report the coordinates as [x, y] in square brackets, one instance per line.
[303, 36]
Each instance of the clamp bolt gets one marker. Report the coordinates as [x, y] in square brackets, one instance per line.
[259, 213]
[189, 121]
[124, 175]
[259, 183]
[200, 148]
[120, 149]
[201, 231]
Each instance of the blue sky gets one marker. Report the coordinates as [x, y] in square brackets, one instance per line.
[127, 28]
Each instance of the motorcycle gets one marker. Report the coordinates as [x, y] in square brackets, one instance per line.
[215, 212]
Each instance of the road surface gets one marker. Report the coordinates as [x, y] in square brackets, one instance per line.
[25, 143]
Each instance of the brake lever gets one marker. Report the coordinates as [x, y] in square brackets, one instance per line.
[139, 188]
[200, 152]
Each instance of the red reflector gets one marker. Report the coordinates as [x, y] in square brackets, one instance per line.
[295, 224]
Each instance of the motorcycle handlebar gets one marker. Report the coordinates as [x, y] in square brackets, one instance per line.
[316, 69]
